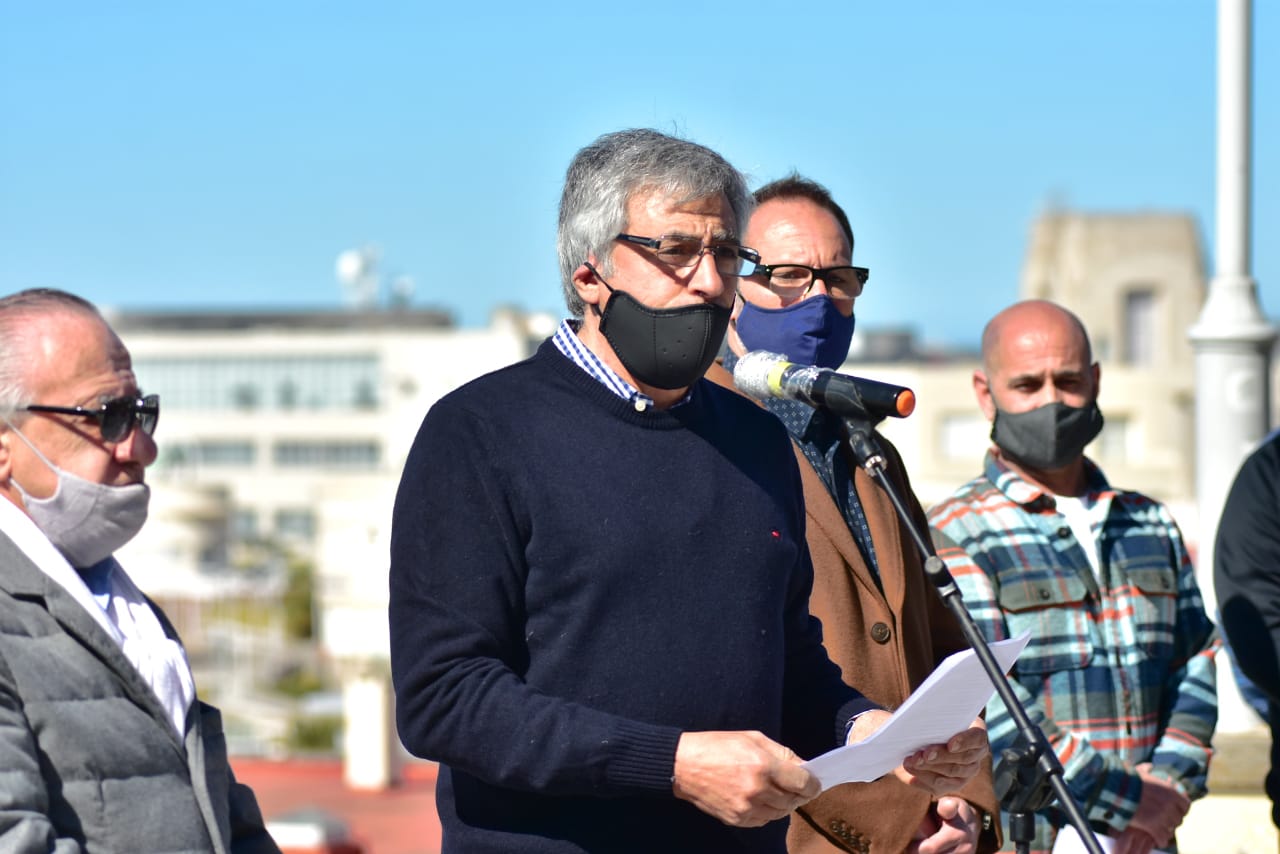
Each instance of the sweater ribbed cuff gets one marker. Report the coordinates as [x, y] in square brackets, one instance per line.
[644, 756]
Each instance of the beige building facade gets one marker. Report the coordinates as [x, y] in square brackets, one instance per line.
[1137, 282]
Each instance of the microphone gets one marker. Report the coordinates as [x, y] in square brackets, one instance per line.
[761, 375]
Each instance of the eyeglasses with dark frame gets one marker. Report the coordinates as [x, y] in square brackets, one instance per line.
[674, 250]
[791, 281]
[116, 417]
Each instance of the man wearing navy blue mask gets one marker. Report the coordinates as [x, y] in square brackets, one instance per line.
[800, 302]
[882, 622]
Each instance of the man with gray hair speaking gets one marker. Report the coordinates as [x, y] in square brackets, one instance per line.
[104, 745]
[599, 579]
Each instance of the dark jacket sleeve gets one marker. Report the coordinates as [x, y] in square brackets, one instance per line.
[1247, 568]
[248, 831]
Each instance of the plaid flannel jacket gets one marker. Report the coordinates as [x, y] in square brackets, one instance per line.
[1116, 673]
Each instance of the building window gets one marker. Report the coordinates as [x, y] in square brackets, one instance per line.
[349, 456]
[244, 396]
[1140, 328]
[225, 453]
[213, 382]
[366, 396]
[963, 436]
[1115, 442]
[244, 524]
[209, 453]
[296, 524]
[213, 556]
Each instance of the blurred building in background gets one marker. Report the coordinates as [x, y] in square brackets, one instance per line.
[282, 438]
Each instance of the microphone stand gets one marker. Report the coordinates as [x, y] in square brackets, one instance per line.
[1029, 773]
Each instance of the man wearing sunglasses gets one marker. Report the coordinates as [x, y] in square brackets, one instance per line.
[598, 574]
[104, 745]
[882, 621]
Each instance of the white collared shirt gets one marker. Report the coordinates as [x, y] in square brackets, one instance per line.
[127, 617]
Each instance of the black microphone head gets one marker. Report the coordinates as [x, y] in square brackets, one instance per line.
[751, 374]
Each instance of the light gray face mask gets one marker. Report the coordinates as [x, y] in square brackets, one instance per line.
[86, 521]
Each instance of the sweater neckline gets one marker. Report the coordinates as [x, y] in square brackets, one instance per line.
[600, 395]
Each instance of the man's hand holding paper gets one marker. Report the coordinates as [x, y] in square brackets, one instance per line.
[923, 742]
[938, 768]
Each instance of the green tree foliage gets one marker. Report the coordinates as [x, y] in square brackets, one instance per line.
[299, 597]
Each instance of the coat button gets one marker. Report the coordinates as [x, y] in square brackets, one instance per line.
[1064, 532]
[1044, 593]
[880, 633]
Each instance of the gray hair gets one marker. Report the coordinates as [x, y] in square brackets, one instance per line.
[605, 175]
[17, 339]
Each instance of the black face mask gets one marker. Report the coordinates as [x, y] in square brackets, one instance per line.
[1048, 437]
[668, 348]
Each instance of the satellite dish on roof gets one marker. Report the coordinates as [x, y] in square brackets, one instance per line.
[350, 266]
[357, 272]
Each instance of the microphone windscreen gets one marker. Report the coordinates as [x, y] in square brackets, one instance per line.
[751, 374]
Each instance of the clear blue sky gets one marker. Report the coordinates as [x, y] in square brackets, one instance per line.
[174, 155]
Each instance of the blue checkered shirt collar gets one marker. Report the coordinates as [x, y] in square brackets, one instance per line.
[570, 345]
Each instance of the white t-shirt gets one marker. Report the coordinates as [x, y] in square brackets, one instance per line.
[1080, 513]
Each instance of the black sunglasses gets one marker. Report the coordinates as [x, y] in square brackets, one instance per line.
[116, 417]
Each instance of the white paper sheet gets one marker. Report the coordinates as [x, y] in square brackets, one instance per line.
[943, 705]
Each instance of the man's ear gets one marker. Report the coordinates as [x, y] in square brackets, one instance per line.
[738, 302]
[982, 391]
[6, 461]
[587, 283]
[731, 334]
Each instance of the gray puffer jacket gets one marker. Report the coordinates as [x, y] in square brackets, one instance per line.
[89, 761]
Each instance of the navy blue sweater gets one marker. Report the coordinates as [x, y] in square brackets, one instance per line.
[574, 584]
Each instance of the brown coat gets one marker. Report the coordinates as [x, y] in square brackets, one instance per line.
[885, 643]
